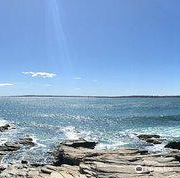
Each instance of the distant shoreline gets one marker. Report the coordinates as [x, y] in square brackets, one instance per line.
[79, 96]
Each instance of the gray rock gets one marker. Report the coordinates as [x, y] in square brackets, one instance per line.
[82, 162]
[46, 170]
[73, 151]
[69, 155]
[33, 174]
[56, 175]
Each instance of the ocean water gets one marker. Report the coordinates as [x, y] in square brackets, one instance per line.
[112, 122]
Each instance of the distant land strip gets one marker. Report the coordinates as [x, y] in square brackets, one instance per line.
[79, 96]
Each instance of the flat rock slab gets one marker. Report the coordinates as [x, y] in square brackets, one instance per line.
[56, 175]
[120, 163]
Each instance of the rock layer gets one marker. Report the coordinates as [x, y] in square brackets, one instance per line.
[82, 162]
[122, 163]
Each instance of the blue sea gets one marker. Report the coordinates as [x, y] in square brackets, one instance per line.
[113, 122]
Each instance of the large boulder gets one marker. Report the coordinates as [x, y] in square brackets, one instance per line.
[72, 152]
[71, 156]
[173, 145]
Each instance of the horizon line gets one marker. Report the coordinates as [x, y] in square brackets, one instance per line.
[98, 96]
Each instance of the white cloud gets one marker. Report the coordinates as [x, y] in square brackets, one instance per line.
[40, 74]
[77, 78]
[95, 80]
[5, 84]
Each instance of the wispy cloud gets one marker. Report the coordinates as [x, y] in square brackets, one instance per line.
[77, 88]
[5, 84]
[40, 74]
[48, 85]
[95, 80]
[78, 78]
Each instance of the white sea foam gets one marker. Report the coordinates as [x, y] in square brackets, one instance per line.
[3, 122]
[3, 140]
[5, 135]
[72, 134]
[35, 140]
[168, 132]
[110, 146]
[156, 148]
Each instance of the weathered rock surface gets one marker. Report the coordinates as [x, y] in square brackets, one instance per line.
[82, 162]
[120, 163]
[48, 171]
[150, 138]
[72, 151]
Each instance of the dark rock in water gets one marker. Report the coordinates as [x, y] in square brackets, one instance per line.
[150, 138]
[24, 162]
[4, 127]
[80, 143]
[146, 136]
[9, 147]
[154, 140]
[173, 145]
[2, 168]
[12, 145]
[27, 141]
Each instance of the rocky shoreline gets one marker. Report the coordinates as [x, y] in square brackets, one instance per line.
[80, 159]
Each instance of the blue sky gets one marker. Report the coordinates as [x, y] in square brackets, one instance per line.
[90, 47]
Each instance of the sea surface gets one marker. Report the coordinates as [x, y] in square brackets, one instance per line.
[113, 122]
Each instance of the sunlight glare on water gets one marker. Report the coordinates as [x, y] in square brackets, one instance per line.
[112, 122]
